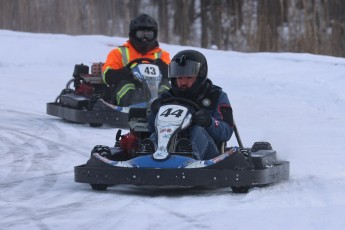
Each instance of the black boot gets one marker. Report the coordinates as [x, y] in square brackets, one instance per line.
[146, 147]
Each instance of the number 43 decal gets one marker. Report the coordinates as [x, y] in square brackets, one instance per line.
[170, 112]
[150, 70]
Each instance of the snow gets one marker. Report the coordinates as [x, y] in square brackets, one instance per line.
[294, 101]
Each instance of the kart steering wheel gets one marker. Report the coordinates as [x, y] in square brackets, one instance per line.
[139, 61]
[183, 101]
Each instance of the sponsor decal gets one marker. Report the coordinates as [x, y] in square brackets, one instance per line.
[224, 155]
[168, 130]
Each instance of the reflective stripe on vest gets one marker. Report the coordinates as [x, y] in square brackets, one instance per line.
[125, 55]
[158, 55]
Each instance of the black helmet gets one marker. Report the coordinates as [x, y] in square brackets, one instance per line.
[143, 22]
[188, 63]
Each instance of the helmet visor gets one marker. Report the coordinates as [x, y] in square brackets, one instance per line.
[186, 68]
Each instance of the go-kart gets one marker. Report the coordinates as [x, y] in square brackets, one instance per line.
[236, 167]
[92, 102]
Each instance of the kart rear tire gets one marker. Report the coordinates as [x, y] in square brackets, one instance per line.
[96, 125]
[99, 187]
[257, 146]
[240, 189]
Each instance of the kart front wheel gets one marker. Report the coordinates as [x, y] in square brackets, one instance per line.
[96, 125]
[240, 189]
[99, 187]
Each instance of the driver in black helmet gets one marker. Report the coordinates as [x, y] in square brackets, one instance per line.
[212, 124]
[142, 43]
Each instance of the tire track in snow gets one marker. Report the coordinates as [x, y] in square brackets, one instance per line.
[40, 215]
[26, 216]
[171, 214]
[30, 157]
[33, 151]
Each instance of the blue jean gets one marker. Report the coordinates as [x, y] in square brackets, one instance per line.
[203, 145]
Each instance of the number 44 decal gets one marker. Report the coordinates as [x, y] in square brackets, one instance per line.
[170, 112]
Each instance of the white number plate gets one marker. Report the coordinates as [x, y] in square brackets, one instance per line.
[149, 70]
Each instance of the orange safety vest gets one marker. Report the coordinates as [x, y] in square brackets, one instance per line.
[121, 56]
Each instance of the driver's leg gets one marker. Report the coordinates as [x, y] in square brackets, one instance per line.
[203, 145]
[124, 92]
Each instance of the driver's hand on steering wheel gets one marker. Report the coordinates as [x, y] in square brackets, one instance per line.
[202, 117]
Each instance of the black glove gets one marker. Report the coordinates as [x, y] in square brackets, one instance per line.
[114, 76]
[164, 86]
[163, 67]
[102, 150]
[202, 117]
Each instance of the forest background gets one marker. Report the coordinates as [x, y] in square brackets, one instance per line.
[308, 26]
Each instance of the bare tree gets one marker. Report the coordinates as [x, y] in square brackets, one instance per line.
[314, 26]
[163, 20]
[183, 19]
[337, 24]
[204, 9]
[268, 21]
[216, 23]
